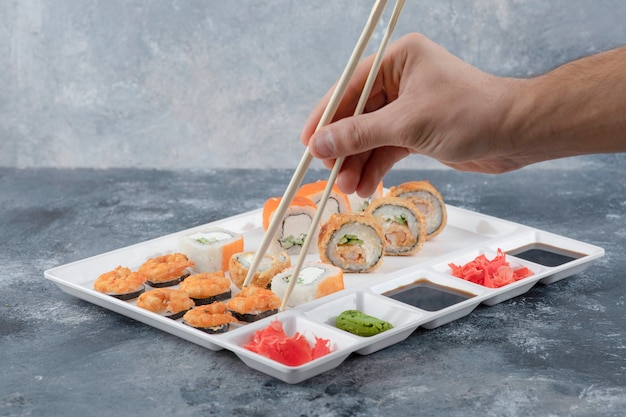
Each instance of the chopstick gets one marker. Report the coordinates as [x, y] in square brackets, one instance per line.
[326, 118]
[339, 161]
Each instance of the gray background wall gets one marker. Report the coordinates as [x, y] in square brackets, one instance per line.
[209, 84]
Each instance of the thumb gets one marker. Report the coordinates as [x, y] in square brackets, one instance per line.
[351, 136]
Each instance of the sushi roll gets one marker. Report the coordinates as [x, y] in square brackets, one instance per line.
[294, 226]
[353, 242]
[338, 201]
[358, 203]
[315, 280]
[207, 287]
[426, 197]
[253, 303]
[211, 249]
[270, 265]
[166, 270]
[403, 224]
[121, 283]
[168, 302]
[210, 318]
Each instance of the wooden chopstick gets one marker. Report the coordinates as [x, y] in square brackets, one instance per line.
[339, 161]
[326, 118]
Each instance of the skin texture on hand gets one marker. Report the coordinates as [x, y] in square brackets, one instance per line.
[427, 101]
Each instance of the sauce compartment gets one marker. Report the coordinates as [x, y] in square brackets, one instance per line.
[440, 298]
[560, 256]
[404, 321]
[341, 346]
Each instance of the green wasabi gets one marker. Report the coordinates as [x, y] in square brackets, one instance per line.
[361, 324]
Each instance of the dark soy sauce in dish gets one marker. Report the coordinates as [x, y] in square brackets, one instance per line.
[545, 255]
[428, 296]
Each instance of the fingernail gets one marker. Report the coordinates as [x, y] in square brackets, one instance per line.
[324, 144]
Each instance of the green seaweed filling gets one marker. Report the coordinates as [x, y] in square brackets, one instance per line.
[350, 240]
[291, 241]
[361, 324]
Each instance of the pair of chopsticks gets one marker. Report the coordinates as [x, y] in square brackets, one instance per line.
[326, 118]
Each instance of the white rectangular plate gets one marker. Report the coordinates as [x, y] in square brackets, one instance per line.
[467, 235]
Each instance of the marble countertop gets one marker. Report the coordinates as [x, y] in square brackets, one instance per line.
[558, 350]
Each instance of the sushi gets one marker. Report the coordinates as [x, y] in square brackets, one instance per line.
[295, 224]
[253, 303]
[315, 280]
[211, 249]
[121, 283]
[428, 199]
[358, 203]
[169, 302]
[338, 201]
[270, 265]
[403, 224]
[207, 287]
[353, 242]
[210, 318]
[166, 270]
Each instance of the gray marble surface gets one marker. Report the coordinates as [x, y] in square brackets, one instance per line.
[558, 350]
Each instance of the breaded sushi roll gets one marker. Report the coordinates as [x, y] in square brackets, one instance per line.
[428, 199]
[294, 226]
[315, 280]
[270, 265]
[403, 224]
[353, 242]
[211, 249]
[338, 201]
[358, 203]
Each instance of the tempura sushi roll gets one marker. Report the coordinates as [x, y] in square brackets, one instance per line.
[211, 249]
[353, 242]
[168, 302]
[294, 226]
[315, 280]
[428, 199]
[207, 287]
[121, 283]
[166, 270]
[270, 265]
[403, 224]
[210, 318]
[253, 303]
[338, 201]
[358, 203]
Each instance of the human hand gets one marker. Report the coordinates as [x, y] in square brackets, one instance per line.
[424, 101]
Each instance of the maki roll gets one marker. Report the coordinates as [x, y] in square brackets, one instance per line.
[294, 226]
[211, 249]
[207, 287]
[426, 197]
[353, 242]
[121, 283]
[315, 280]
[403, 224]
[358, 203]
[168, 302]
[270, 265]
[210, 318]
[253, 303]
[166, 270]
[338, 201]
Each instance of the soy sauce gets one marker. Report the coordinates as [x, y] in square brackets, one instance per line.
[545, 255]
[427, 296]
